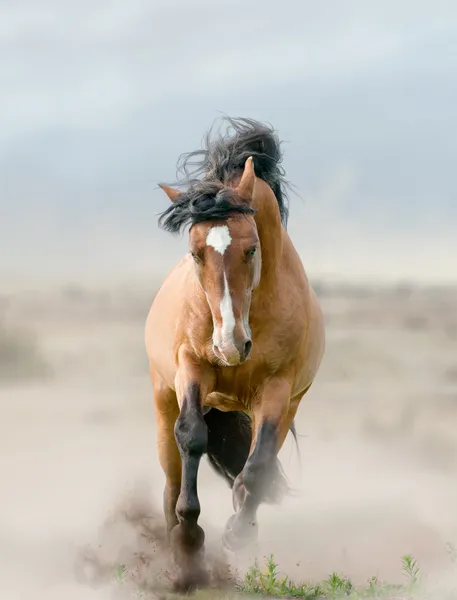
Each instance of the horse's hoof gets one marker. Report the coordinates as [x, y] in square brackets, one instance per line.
[186, 540]
[238, 534]
[191, 581]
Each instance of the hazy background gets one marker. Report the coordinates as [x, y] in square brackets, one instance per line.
[97, 101]
[99, 98]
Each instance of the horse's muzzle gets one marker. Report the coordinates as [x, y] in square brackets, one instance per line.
[235, 353]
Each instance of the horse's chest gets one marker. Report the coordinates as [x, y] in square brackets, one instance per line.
[234, 389]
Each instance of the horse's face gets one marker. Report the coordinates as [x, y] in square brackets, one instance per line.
[226, 253]
[227, 259]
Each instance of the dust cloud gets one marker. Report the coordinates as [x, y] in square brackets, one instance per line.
[81, 487]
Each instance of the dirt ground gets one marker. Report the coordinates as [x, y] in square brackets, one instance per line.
[80, 475]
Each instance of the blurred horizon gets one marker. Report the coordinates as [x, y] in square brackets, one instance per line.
[99, 100]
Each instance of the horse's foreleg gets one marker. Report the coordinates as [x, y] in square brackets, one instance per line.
[273, 413]
[187, 537]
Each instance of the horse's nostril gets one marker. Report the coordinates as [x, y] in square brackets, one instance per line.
[247, 349]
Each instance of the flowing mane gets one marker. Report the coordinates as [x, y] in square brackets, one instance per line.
[206, 174]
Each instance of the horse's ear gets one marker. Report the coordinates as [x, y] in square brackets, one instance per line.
[246, 186]
[172, 193]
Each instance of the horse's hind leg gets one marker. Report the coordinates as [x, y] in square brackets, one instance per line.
[167, 411]
[273, 414]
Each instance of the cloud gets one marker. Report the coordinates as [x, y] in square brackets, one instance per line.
[101, 97]
[93, 64]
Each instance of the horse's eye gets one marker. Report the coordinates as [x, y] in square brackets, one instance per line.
[250, 253]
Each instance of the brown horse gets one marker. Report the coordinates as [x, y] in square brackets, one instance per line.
[234, 337]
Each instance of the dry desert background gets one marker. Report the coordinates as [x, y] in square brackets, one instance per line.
[80, 480]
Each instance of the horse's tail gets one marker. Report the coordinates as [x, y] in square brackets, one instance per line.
[229, 441]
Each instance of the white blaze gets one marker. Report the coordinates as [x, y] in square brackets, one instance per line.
[219, 238]
[228, 318]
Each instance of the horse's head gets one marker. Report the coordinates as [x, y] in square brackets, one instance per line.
[227, 259]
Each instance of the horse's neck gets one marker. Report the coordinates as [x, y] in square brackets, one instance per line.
[270, 232]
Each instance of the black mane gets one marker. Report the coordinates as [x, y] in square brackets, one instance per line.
[217, 163]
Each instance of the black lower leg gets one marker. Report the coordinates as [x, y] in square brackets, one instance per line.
[252, 486]
[260, 467]
[192, 438]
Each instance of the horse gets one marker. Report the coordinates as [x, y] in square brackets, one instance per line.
[234, 337]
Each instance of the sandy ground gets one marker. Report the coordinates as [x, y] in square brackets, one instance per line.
[79, 469]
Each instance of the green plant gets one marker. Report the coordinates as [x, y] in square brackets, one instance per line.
[267, 581]
[120, 573]
[338, 586]
[410, 569]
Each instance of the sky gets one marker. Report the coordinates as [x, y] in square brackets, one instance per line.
[98, 100]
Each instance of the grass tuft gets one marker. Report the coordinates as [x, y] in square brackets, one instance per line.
[120, 573]
[410, 569]
[265, 581]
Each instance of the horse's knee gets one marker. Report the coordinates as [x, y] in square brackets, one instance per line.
[255, 472]
[256, 477]
[191, 432]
